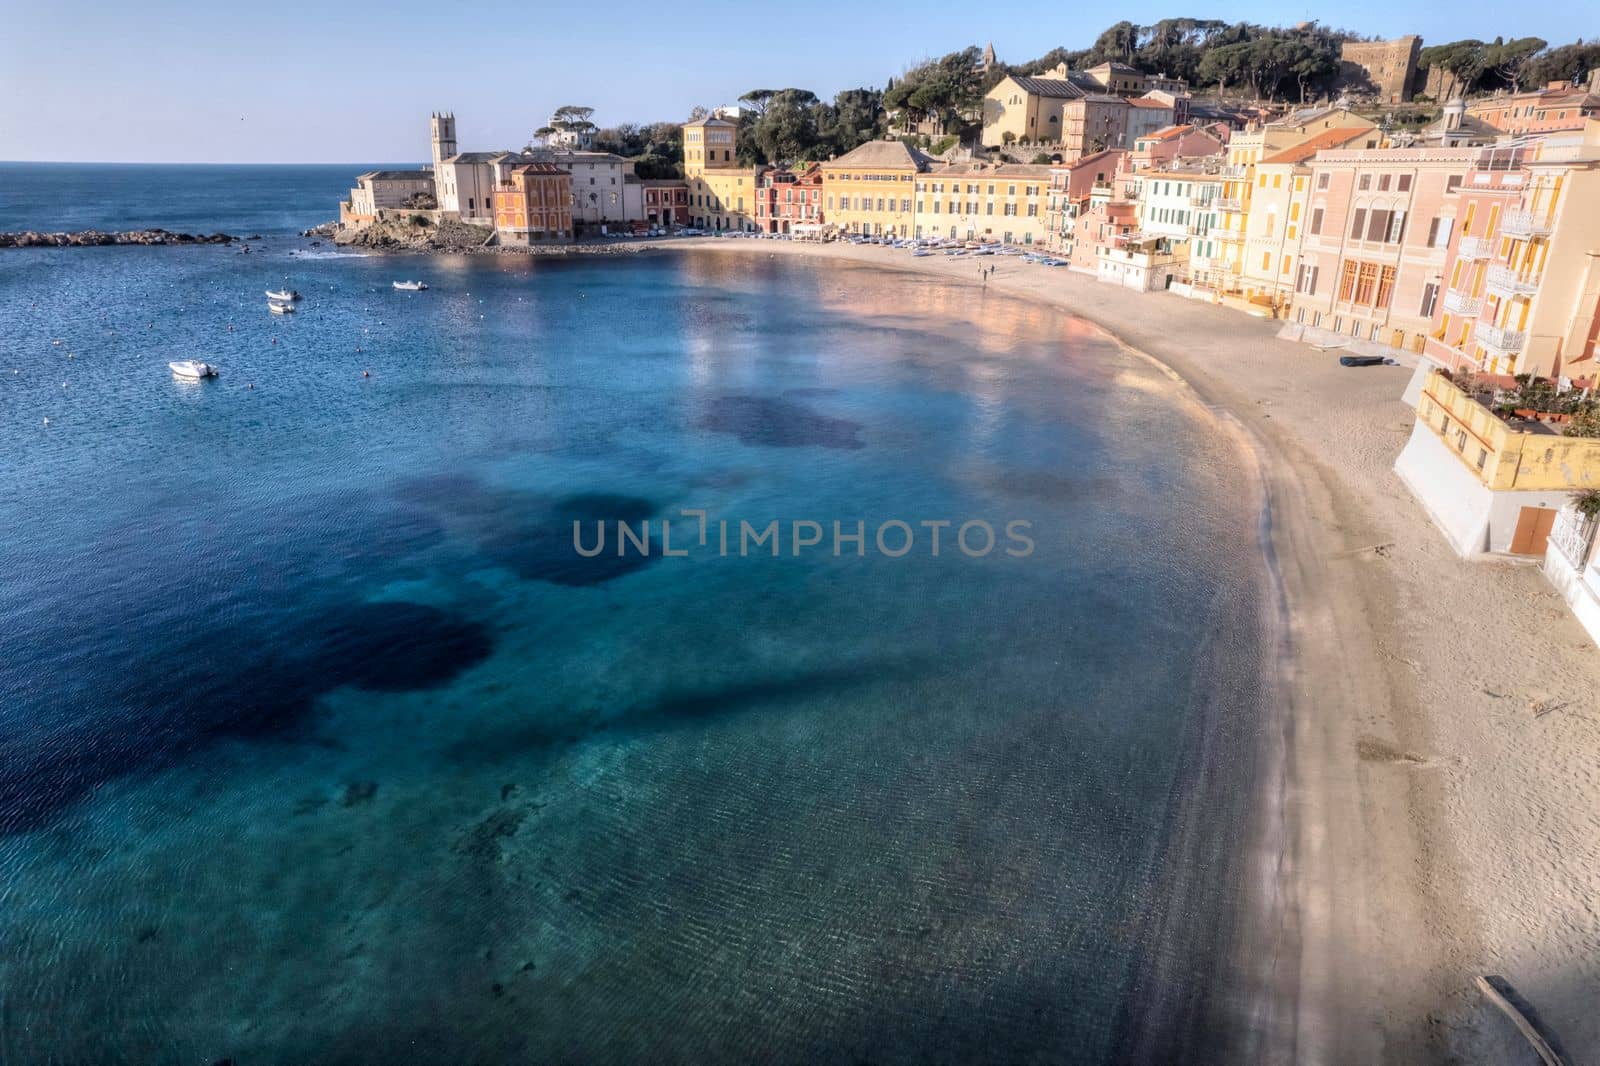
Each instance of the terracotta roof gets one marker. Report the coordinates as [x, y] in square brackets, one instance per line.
[709, 120]
[1166, 133]
[1334, 138]
[883, 155]
[1142, 101]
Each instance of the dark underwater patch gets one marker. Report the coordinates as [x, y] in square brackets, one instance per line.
[777, 423]
[178, 694]
[532, 534]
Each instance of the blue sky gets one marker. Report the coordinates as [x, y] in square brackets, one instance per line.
[179, 80]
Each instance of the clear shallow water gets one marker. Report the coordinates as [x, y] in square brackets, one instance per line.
[320, 745]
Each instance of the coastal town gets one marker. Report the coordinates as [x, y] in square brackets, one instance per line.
[1463, 246]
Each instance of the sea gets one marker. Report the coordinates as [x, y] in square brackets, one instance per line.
[327, 736]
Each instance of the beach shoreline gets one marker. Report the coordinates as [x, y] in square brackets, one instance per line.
[1400, 875]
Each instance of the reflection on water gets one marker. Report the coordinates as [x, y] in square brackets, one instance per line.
[321, 745]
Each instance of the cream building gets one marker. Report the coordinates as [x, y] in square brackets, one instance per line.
[984, 201]
[872, 189]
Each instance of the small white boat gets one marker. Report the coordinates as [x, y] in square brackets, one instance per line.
[283, 295]
[277, 307]
[411, 286]
[193, 369]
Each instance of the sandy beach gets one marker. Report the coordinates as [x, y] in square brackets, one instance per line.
[1437, 827]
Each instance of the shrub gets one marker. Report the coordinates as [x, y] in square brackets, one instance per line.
[1587, 503]
[420, 220]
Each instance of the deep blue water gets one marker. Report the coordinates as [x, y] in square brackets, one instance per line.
[241, 199]
[320, 743]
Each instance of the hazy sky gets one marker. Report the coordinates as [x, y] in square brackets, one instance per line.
[180, 80]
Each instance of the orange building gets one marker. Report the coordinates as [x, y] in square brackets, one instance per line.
[533, 202]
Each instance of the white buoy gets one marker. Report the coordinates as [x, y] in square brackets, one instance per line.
[47, 421]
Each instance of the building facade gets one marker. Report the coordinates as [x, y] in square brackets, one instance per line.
[533, 203]
[872, 189]
[721, 193]
[1521, 288]
[1003, 202]
[786, 198]
[1376, 239]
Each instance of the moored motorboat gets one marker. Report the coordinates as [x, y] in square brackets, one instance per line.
[279, 307]
[411, 286]
[283, 295]
[193, 369]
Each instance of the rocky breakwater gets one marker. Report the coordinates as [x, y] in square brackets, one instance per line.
[93, 238]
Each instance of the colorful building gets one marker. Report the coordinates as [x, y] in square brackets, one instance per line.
[1521, 288]
[666, 202]
[721, 193]
[983, 201]
[533, 203]
[872, 189]
[1067, 111]
[1275, 225]
[380, 191]
[1074, 187]
[1378, 225]
[1559, 107]
[786, 198]
[1180, 206]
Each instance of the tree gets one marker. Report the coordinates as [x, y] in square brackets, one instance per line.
[757, 99]
[1568, 62]
[1462, 60]
[573, 121]
[1508, 59]
[786, 127]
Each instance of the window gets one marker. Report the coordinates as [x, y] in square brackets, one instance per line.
[1378, 225]
[1347, 281]
[1316, 220]
[1452, 184]
[1385, 287]
[1308, 279]
[1383, 183]
[1366, 283]
[1365, 182]
[1322, 179]
[1430, 299]
[1358, 223]
[1403, 184]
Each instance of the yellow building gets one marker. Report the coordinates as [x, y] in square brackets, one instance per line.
[722, 194]
[1246, 148]
[872, 189]
[1275, 225]
[984, 201]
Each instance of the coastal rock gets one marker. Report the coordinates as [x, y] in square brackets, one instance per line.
[92, 238]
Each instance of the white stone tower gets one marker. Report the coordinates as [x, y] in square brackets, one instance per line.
[443, 128]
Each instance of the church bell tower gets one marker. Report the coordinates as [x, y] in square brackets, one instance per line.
[443, 128]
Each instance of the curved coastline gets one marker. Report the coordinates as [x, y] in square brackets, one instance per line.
[1324, 893]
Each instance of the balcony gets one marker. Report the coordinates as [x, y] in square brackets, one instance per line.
[1228, 204]
[1523, 224]
[1233, 170]
[1226, 236]
[1508, 282]
[1499, 340]
[1475, 248]
[1204, 201]
[1459, 303]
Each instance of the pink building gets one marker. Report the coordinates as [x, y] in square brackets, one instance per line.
[1175, 142]
[1377, 236]
[1073, 187]
[1559, 107]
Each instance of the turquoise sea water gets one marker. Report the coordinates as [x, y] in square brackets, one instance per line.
[322, 744]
